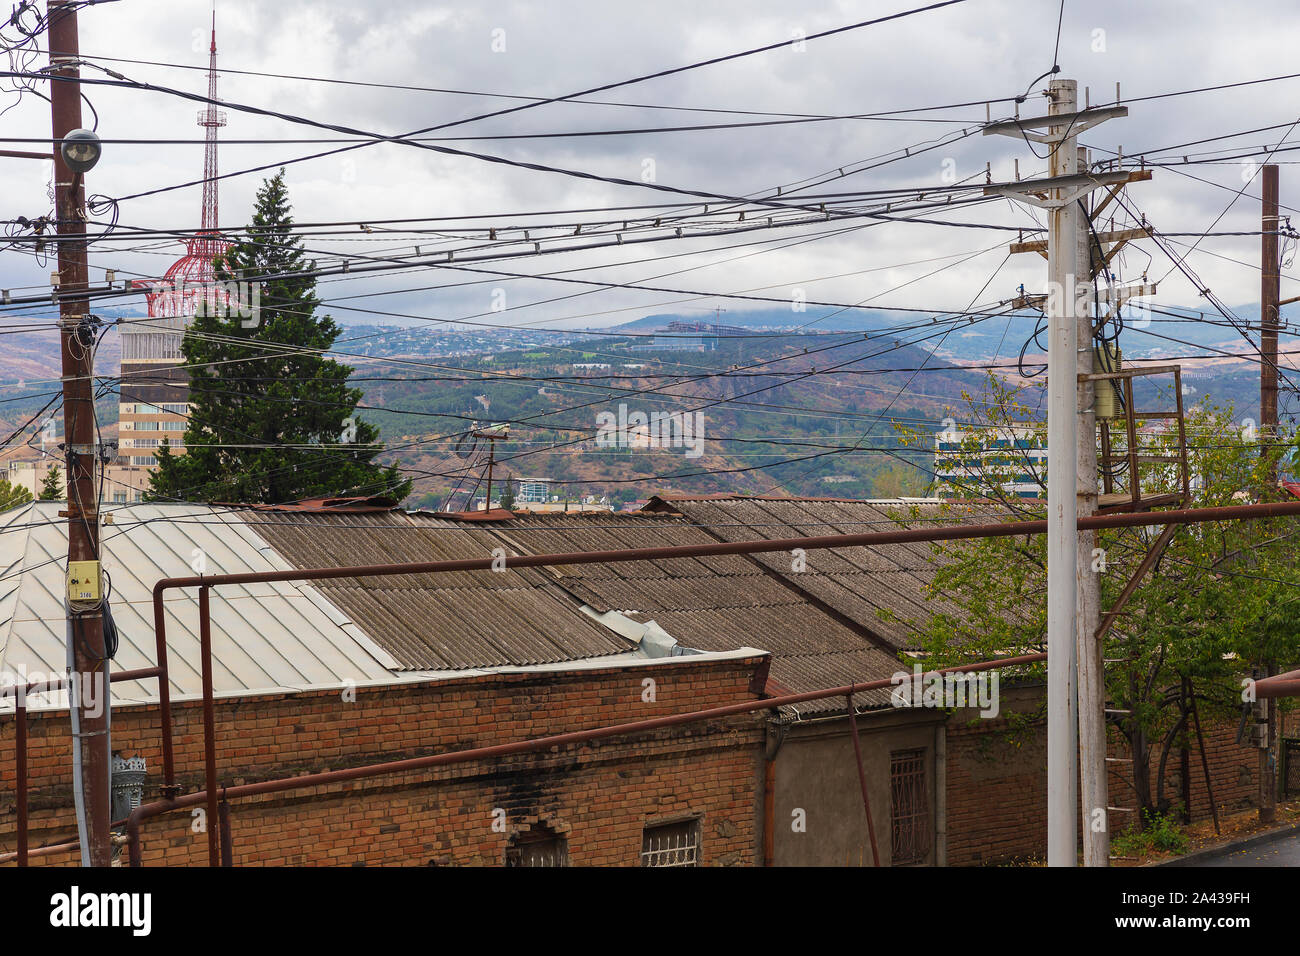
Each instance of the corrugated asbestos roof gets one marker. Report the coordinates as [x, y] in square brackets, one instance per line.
[860, 582]
[710, 603]
[458, 620]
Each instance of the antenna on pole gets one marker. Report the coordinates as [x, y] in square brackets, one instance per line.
[208, 242]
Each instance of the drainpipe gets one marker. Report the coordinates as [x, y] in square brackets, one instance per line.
[941, 795]
[20, 757]
[775, 738]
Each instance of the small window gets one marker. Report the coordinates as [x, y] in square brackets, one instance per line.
[909, 811]
[540, 846]
[671, 844]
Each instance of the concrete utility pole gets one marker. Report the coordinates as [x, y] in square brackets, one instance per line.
[88, 701]
[1069, 274]
[1270, 292]
[1088, 649]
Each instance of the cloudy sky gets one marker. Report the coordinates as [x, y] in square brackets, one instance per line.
[976, 50]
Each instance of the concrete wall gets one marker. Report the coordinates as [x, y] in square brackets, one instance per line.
[816, 772]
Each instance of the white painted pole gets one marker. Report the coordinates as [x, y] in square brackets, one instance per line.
[1062, 505]
[1091, 675]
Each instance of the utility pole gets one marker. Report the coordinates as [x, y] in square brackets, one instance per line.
[88, 695]
[1270, 292]
[1088, 649]
[1068, 262]
[493, 435]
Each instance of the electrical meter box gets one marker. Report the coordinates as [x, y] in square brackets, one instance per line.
[83, 580]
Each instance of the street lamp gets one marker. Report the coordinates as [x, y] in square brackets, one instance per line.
[81, 150]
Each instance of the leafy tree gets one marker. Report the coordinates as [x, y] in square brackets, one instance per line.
[273, 419]
[1221, 602]
[11, 495]
[51, 488]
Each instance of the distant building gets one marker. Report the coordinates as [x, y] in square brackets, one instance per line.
[675, 343]
[122, 483]
[532, 491]
[1002, 459]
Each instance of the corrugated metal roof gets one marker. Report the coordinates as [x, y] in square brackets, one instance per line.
[264, 636]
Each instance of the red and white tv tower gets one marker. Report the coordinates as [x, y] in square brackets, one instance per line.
[190, 278]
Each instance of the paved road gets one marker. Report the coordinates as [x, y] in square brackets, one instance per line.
[1283, 852]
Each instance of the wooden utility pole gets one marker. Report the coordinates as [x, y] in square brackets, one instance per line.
[88, 696]
[492, 434]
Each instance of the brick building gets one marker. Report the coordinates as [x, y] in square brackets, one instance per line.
[344, 673]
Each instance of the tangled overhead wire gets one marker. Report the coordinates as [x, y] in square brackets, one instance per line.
[18, 36]
[21, 228]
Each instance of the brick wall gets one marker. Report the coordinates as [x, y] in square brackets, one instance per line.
[598, 795]
[997, 782]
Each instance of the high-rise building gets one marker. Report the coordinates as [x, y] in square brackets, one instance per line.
[154, 401]
[992, 461]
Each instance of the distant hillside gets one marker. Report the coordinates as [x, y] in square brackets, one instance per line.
[783, 426]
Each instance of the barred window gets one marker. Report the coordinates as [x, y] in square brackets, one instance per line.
[540, 846]
[671, 844]
[909, 811]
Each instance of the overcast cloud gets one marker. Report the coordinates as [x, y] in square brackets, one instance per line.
[977, 49]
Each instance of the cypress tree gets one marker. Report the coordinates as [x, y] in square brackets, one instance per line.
[259, 377]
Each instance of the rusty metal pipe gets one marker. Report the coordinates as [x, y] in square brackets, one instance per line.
[145, 811]
[949, 533]
[907, 536]
[227, 843]
[66, 846]
[209, 727]
[40, 686]
[49, 849]
[20, 758]
[862, 781]
[1279, 685]
[20, 739]
[169, 788]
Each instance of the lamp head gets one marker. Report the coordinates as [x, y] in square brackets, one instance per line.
[81, 150]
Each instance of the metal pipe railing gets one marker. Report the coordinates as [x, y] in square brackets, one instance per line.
[20, 738]
[170, 788]
[285, 784]
[712, 549]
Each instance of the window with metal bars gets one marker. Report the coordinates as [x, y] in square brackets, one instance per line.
[540, 846]
[909, 807]
[671, 844]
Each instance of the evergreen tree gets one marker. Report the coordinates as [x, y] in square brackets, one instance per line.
[51, 488]
[11, 495]
[508, 495]
[261, 379]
